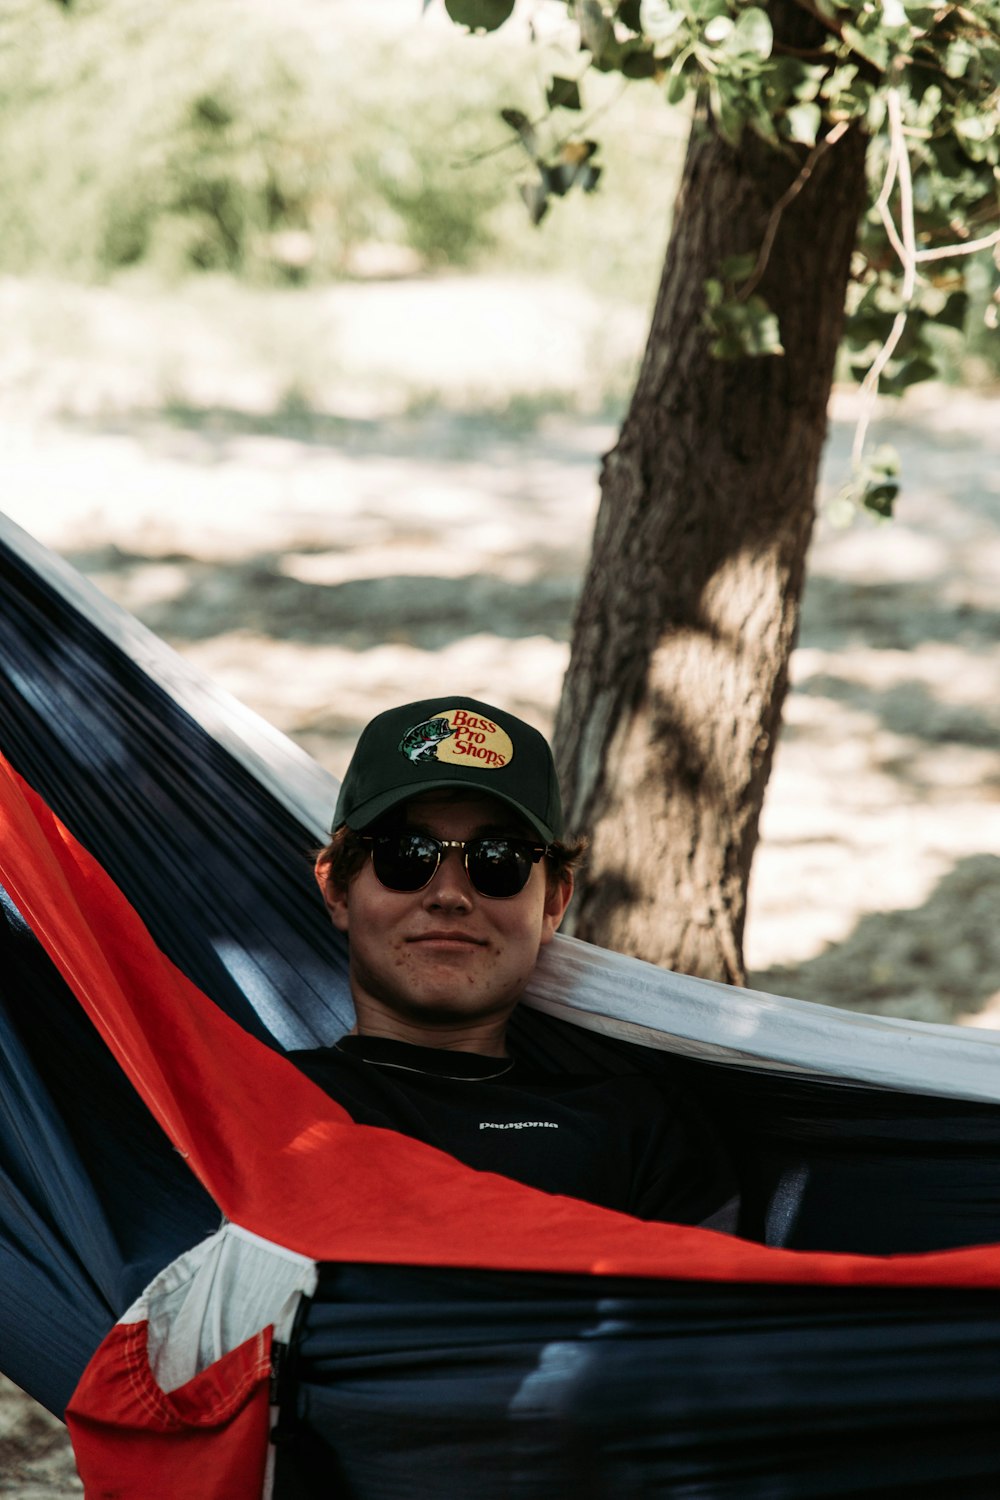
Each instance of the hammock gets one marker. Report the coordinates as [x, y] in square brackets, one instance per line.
[163, 946]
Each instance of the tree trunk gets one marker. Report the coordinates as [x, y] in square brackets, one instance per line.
[679, 665]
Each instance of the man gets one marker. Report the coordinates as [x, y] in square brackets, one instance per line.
[448, 873]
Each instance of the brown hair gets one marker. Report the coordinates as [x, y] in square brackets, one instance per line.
[344, 856]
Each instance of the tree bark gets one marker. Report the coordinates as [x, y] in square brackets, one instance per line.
[679, 665]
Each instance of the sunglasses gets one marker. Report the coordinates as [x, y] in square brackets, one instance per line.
[496, 865]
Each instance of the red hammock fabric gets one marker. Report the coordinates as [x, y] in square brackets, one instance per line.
[283, 1161]
[298, 1171]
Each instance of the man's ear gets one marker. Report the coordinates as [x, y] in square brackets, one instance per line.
[557, 897]
[334, 899]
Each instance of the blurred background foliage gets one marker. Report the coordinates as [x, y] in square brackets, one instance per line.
[301, 143]
[317, 141]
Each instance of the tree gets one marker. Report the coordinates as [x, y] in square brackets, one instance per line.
[843, 153]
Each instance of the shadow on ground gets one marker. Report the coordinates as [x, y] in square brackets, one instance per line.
[429, 428]
[884, 616]
[255, 594]
[935, 962]
[35, 1457]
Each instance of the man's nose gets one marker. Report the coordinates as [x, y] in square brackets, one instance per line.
[450, 887]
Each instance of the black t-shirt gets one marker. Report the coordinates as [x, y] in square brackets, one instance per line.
[621, 1142]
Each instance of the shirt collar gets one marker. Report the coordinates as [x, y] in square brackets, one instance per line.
[438, 1062]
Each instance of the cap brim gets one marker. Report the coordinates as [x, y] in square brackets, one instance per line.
[376, 807]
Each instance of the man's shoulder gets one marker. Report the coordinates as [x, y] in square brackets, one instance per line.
[329, 1055]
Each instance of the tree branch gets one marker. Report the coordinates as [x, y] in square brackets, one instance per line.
[967, 247]
[787, 197]
[899, 164]
[905, 246]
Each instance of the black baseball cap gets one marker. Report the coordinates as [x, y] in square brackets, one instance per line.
[450, 743]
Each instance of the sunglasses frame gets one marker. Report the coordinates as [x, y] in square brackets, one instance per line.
[536, 853]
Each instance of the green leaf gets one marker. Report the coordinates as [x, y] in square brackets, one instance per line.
[752, 35]
[921, 14]
[840, 80]
[910, 372]
[803, 122]
[762, 330]
[677, 85]
[760, 121]
[725, 110]
[660, 20]
[954, 312]
[875, 47]
[873, 487]
[479, 15]
[975, 127]
[740, 330]
[957, 58]
[536, 199]
[558, 179]
[810, 81]
[840, 510]
[879, 497]
[519, 121]
[979, 137]
[719, 29]
[875, 113]
[573, 165]
[886, 460]
[563, 93]
[736, 268]
[596, 31]
[929, 107]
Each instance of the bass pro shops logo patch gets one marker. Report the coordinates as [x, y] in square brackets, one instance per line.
[456, 737]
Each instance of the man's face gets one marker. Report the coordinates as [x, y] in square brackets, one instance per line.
[436, 964]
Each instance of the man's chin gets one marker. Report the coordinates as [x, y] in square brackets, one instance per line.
[443, 1010]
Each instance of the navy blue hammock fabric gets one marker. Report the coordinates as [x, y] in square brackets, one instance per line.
[852, 1135]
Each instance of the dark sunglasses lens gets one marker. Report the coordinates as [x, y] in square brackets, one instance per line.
[498, 867]
[405, 862]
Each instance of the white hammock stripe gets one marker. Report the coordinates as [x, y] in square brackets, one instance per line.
[602, 991]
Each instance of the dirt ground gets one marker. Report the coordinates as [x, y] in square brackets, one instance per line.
[329, 536]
